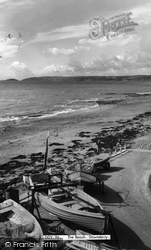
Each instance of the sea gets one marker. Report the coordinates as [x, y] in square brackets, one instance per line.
[33, 100]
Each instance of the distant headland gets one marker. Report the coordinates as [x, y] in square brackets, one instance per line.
[90, 78]
[12, 79]
[86, 78]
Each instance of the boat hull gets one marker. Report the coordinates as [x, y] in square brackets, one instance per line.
[86, 219]
[23, 225]
[82, 177]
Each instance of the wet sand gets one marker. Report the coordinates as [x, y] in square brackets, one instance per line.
[73, 140]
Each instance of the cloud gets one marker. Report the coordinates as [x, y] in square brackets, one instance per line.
[54, 70]
[20, 70]
[67, 32]
[142, 14]
[131, 63]
[7, 49]
[56, 51]
[4, 1]
[9, 45]
[14, 4]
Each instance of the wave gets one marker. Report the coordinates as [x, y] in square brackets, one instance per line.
[66, 111]
[42, 115]
[83, 101]
[143, 93]
[56, 113]
[9, 118]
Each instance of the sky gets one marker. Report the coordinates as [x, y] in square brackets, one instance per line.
[60, 38]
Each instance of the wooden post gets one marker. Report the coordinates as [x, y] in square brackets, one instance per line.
[110, 152]
[115, 151]
[37, 209]
[32, 202]
[102, 187]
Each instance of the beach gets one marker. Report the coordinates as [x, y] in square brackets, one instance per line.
[73, 140]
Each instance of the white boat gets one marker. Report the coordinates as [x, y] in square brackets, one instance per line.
[19, 224]
[101, 161]
[81, 177]
[85, 169]
[74, 205]
[54, 170]
[88, 245]
[83, 245]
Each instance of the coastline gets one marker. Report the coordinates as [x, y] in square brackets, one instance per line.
[73, 140]
[129, 123]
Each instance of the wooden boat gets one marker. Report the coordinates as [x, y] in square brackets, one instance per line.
[17, 223]
[88, 245]
[101, 246]
[81, 177]
[54, 170]
[83, 245]
[74, 205]
[85, 169]
[101, 161]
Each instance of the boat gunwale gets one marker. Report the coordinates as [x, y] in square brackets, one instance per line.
[64, 208]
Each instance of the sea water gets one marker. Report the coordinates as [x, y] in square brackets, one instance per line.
[31, 99]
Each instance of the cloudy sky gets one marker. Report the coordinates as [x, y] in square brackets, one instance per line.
[51, 38]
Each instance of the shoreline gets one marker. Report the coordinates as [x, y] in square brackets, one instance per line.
[76, 133]
[72, 141]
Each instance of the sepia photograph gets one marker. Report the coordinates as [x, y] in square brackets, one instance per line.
[75, 124]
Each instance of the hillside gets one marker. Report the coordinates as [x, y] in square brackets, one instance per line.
[90, 78]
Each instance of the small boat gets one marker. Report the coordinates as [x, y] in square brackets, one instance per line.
[74, 205]
[83, 245]
[54, 170]
[19, 224]
[101, 161]
[101, 246]
[88, 245]
[81, 177]
[85, 169]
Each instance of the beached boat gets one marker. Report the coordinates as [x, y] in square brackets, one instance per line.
[101, 161]
[19, 224]
[88, 245]
[74, 205]
[101, 246]
[85, 169]
[82, 245]
[81, 177]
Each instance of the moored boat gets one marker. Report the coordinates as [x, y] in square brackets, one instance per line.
[19, 224]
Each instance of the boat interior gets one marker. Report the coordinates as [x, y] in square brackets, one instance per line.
[13, 225]
[71, 199]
